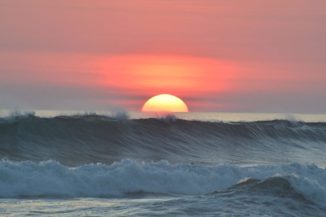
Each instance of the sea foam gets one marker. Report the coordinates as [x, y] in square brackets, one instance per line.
[52, 179]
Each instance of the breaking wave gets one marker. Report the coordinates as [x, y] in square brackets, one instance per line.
[124, 178]
[80, 139]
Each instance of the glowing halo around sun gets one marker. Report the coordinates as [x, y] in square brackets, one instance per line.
[164, 103]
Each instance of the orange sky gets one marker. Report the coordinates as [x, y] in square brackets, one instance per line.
[257, 56]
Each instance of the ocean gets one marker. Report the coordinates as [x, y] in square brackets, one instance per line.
[194, 164]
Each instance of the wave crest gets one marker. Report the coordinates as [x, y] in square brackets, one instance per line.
[80, 139]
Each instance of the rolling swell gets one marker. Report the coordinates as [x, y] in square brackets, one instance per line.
[80, 139]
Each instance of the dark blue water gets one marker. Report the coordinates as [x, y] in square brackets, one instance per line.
[85, 165]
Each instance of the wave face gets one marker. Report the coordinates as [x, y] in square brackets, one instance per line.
[52, 179]
[76, 140]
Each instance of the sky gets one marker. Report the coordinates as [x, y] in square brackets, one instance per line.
[216, 55]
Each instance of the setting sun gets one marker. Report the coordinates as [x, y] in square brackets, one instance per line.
[164, 103]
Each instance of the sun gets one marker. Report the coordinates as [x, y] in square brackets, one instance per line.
[165, 103]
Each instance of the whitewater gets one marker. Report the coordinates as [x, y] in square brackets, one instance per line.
[98, 165]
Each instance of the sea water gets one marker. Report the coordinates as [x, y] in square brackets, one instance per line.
[198, 164]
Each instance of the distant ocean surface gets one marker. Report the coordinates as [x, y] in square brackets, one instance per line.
[195, 164]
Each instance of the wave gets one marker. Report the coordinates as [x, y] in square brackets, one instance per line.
[80, 139]
[52, 179]
[276, 186]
